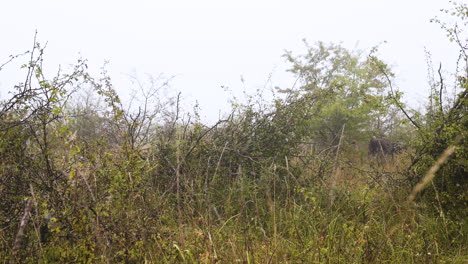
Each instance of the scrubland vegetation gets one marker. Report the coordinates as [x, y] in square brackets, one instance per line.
[85, 179]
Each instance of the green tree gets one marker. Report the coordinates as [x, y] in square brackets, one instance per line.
[339, 88]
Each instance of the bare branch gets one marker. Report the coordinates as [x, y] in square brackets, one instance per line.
[440, 90]
[20, 235]
[393, 93]
[12, 57]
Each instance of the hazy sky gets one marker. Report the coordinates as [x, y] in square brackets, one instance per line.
[208, 44]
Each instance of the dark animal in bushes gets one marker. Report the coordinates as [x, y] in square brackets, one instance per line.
[383, 147]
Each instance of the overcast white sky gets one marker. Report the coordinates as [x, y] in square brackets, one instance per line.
[208, 44]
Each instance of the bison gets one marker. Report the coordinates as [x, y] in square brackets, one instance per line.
[384, 147]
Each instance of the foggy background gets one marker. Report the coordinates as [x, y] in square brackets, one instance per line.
[207, 45]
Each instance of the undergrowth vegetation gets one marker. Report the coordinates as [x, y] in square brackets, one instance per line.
[83, 179]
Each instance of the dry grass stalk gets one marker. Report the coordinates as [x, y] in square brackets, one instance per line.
[334, 176]
[431, 173]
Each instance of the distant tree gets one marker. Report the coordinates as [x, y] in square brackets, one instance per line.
[337, 88]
